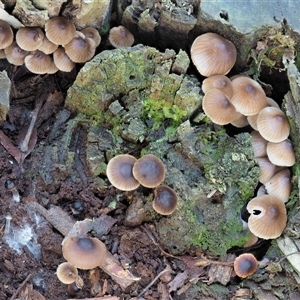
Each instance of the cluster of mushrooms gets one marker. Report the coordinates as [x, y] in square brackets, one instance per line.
[127, 173]
[59, 47]
[241, 101]
[83, 253]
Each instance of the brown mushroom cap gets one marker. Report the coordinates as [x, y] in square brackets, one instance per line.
[47, 47]
[60, 30]
[212, 54]
[220, 82]
[165, 200]
[66, 273]
[240, 120]
[259, 144]
[267, 169]
[40, 63]
[62, 60]
[245, 265]
[273, 125]
[120, 37]
[280, 185]
[91, 32]
[281, 154]
[80, 49]
[15, 55]
[6, 35]
[84, 253]
[149, 171]
[218, 108]
[29, 38]
[267, 217]
[119, 172]
[248, 96]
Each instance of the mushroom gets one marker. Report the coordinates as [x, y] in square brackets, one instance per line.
[220, 82]
[66, 273]
[47, 47]
[281, 154]
[60, 30]
[212, 54]
[15, 55]
[267, 169]
[40, 63]
[280, 185]
[248, 96]
[261, 191]
[91, 32]
[119, 172]
[245, 265]
[165, 200]
[218, 108]
[259, 144]
[273, 125]
[6, 35]
[251, 241]
[84, 253]
[8, 218]
[267, 217]
[240, 120]
[29, 38]
[149, 171]
[120, 37]
[80, 49]
[11, 187]
[62, 60]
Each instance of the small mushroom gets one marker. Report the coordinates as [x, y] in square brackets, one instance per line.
[281, 154]
[218, 107]
[6, 35]
[66, 273]
[119, 172]
[10, 186]
[149, 171]
[165, 200]
[92, 33]
[267, 217]
[273, 125]
[47, 47]
[84, 253]
[245, 265]
[62, 60]
[29, 38]
[248, 96]
[267, 169]
[212, 54]
[240, 120]
[7, 229]
[220, 82]
[40, 63]
[120, 37]
[259, 144]
[80, 49]
[15, 55]
[60, 30]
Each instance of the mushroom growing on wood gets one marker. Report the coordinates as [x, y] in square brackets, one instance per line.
[165, 200]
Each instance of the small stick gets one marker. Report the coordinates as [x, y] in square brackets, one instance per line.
[15, 294]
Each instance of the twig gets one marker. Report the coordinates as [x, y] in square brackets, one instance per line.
[154, 280]
[15, 294]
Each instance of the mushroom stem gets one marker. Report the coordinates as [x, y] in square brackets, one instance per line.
[16, 195]
[8, 218]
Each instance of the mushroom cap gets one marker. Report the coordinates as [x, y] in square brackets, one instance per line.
[165, 200]
[251, 241]
[29, 38]
[273, 125]
[2, 54]
[212, 54]
[218, 108]
[40, 63]
[280, 185]
[281, 154]
[240, 120]
[259, 144]
[6, 35]
[62, 60]
[267, 217]
[120, 37]
[220, 82]
[15, 55]
[261, 191]
[119, 172]
[60, 30]
[91, 32]
[245, 265]
[267, 169]
[84, 253]
[80, 49]
[248, 96]
[149, 171]
[66, 273]
[47, 47]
